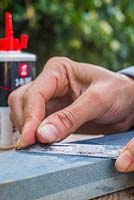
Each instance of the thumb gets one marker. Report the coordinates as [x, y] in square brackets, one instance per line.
[61, 124]
[125, 162]
[57, 126]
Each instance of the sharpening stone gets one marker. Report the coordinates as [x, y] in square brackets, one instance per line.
[26, 176]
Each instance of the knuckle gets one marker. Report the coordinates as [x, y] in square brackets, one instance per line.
[30, 118]
[12, 98]
[27, 118]
[31, 90]
[58, 59]
[58, 63]
[17, 94]
[60, 66]
[66, 118]
[28, 93]
[99, 96]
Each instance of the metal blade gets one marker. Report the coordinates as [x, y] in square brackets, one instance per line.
[90, 150]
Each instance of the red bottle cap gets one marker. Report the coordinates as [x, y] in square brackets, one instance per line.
[9, 42]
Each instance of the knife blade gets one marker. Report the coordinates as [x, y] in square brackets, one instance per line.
[90, 150]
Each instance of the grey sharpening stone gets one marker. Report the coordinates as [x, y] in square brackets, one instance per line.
[26, 176]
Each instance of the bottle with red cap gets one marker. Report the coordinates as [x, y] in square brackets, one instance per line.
[16, 69]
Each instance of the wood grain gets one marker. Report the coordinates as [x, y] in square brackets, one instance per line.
[121, 195]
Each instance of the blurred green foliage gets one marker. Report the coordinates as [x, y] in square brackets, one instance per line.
[93, 31]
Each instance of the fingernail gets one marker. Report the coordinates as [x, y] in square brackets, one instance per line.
[18, 144]
[48, 132]
[124, 161]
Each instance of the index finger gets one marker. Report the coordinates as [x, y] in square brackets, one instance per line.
[49, 84]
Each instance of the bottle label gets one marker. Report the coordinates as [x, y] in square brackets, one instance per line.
[12, 76]
[0, 125]
[8, 136]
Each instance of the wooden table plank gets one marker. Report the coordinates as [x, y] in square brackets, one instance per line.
[121, 195]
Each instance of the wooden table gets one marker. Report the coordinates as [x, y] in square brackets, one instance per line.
[127, 194]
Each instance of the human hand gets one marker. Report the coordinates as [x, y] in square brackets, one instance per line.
[125, 162]
[68, 95]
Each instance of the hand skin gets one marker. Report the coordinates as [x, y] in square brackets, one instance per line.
[72, 97]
